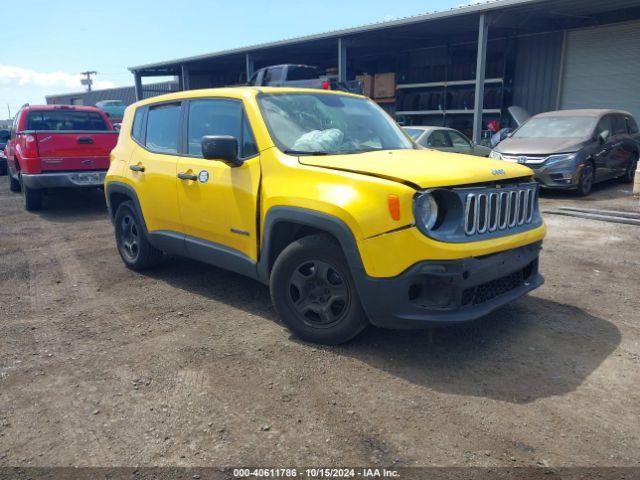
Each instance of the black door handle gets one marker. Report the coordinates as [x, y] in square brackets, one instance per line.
[85, 140]
[136, 168]
[187, 176]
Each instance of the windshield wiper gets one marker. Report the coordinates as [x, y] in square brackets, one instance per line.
[305, 152]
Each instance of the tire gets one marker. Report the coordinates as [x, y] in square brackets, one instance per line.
[134, 248]
[585, 184]
[630, 173]
[14, 185]
[313, 291]
[32, 198]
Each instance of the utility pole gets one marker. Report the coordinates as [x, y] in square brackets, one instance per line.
[87, 81]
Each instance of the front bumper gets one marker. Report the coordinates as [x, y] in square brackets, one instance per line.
[560, 177]
[89, 178]
[450, 291]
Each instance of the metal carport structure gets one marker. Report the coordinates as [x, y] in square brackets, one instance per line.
[374, 47]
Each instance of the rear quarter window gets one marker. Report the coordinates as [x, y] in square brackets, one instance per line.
[65, 120]
[137, 128]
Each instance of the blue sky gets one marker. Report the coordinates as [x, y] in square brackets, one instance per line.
[48, 43]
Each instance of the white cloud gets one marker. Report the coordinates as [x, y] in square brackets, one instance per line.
[13, 75]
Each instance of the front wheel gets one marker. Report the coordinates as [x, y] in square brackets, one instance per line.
[134, 248]
[586, 180]
[314, 293]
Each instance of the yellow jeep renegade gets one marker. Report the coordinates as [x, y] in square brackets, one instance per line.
[321, 196]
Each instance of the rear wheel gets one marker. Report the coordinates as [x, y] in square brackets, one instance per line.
[585, 184]
[630, 172]
[134, 248]
[314, 293]
[32, 198]
[14, 185]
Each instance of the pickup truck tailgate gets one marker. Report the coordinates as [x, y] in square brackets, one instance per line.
[67, 150]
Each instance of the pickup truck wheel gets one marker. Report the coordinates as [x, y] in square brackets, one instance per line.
[32, 198]
[134, 248]
[314, 293]
[14, 185]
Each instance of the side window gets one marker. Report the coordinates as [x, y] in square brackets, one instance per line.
[619, 126]
[460, 142]
[162, 128]
[438, 139]
[136, 129]
[219, 117]
[604, 125]
[632, 126]
[272, 75]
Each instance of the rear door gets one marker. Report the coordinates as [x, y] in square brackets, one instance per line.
[623, 146]
[219, 203]
[153, 165]
[69, 139]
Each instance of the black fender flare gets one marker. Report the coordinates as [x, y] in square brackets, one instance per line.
[128, 191]
[318, 220]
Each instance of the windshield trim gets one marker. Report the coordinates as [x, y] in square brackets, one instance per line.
[283, 148]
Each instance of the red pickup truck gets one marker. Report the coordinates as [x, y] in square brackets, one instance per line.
[57, 146]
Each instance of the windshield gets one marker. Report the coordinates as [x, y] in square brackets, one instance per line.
[556, 127]
[413, 132]
[318, 123]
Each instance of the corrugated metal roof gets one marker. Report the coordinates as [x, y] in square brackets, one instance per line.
[425, 17]
[548, 8]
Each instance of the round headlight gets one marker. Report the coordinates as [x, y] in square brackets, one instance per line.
[425, 211]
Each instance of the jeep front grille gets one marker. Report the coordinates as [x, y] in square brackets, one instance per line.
[498, 209]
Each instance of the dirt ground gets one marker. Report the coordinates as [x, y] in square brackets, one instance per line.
[188, 365]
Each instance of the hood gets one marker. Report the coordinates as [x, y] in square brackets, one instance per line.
[538, 146]
[421, 168]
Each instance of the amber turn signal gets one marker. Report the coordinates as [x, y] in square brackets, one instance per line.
[394, 206]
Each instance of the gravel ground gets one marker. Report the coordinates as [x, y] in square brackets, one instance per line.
[187, 365]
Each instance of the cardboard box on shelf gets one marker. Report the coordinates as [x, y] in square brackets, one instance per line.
[367, 84]
[384, 85]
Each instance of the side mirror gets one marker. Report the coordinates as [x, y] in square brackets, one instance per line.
[604, 135]
[116, 127]
[221, 147]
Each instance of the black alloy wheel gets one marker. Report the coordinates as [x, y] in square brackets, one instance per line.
[318, 294]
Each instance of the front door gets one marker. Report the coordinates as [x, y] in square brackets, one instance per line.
[606, 148]
[218, 203]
